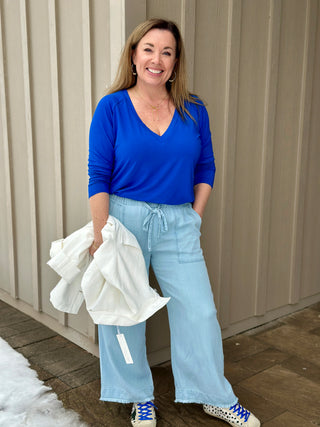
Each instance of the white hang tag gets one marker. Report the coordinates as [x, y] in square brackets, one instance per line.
[125, 349]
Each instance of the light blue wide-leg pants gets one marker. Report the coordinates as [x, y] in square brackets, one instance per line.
[169, 236]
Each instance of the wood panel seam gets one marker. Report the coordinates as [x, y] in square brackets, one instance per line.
[228, 160]
[272, 65]
[62, 317]
[7, 172]
[30, 159]
[301, 161]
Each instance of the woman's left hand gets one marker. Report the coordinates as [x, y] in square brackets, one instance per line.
[201, 195]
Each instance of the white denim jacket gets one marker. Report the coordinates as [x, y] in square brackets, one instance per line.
[114, 282]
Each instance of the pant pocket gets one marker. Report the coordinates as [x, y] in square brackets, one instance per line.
[188, 237]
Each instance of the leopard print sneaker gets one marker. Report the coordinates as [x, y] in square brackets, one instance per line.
[236, 415]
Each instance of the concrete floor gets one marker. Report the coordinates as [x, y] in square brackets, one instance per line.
[274, 369]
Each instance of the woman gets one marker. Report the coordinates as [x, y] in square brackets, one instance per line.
[151, 166]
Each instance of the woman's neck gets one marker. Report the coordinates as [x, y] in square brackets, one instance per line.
[152, 94]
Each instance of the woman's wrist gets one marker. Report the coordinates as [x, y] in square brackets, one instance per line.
[97, 238]
[202, 192]
[96, 244]
[199, 211]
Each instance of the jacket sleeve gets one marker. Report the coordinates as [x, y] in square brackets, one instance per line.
[70, 258]
[205, 168]
[68, 261]
[101, 148]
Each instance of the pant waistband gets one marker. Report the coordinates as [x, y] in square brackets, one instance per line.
[154, 210]
[126, 201]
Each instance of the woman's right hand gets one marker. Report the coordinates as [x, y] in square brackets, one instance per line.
[95, 246]
[99, 205]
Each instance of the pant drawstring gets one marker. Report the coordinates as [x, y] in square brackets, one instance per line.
[148, 223]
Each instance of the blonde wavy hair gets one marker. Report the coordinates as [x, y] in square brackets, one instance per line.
[178, 88]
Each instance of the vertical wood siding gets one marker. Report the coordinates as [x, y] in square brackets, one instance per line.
[256, 64]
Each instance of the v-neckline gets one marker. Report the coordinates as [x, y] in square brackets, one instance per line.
[147, 127]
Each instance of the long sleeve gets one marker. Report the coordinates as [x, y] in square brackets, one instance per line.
[101, 149]
[205, 169]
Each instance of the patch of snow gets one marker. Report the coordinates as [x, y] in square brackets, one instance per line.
[24, 400]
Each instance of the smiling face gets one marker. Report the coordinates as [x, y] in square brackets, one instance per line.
[155, 57]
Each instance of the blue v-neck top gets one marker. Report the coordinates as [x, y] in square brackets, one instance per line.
[128, 159]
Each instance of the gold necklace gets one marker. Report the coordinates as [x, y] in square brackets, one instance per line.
[154, 108]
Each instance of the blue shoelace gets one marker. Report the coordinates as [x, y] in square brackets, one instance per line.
[240, 411]
[145, 411]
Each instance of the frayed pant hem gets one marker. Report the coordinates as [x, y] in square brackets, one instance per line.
[110, 399]
[203, 400]
[126, 400]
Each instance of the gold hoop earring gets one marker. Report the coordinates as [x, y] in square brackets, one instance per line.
[133, 69]
[173, 79]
